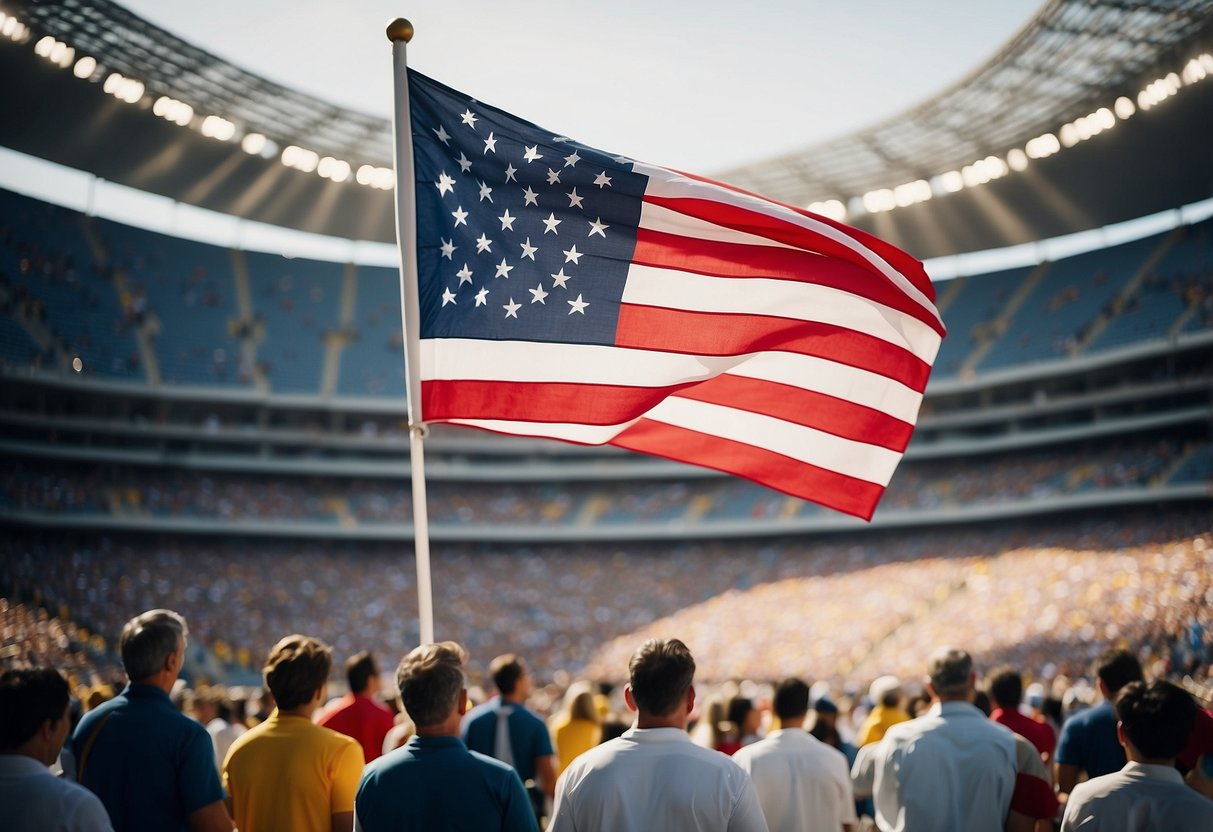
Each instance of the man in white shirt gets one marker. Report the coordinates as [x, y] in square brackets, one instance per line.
[654, 777]
[951, 768]
[803, 784]
[35, 718]
[1149, 792]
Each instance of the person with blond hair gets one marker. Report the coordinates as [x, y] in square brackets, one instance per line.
[288, 772]
[576, 728]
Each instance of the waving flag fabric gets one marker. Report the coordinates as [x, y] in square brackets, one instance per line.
[575, 294]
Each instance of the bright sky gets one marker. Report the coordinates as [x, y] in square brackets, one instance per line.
[698, 85]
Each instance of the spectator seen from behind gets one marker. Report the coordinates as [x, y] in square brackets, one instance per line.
[1154, 722]
[803, 784]
[654, 777]
[1006, 692]
[1088, 740]
[434, 783]
[358, 714]
[288, 772]
[35, 717]
[152, 766]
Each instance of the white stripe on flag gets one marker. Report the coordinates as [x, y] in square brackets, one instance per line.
[526, 361]
[669, 289]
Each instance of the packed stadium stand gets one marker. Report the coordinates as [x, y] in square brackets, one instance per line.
[222, 431]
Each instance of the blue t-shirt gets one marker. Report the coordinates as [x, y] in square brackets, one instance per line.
[1088, 740]
[434, 784]
[151, 765]
[529, 736]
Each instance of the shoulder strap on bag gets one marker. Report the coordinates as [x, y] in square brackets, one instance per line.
[88, 747]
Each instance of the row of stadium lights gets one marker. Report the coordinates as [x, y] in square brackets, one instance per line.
[1018, 159]
[873, 202]
[131, 91]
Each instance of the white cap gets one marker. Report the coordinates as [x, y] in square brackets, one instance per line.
[882, 687]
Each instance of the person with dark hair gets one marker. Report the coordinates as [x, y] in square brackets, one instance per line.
[288, 772]
[803, 784]
[1006, 690]
[505, 729]
[1088, 739]
[35, 717]
[152, 766]
[358, 714]
[434, 782]
[654, 776]
[1154, 722]
[953, 768]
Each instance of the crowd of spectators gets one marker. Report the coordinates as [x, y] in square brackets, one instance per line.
[130, 491]
[836, 608]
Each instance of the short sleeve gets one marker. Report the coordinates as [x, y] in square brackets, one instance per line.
[1069, 745]
[347, 775]
[197, 778]
[86, 814]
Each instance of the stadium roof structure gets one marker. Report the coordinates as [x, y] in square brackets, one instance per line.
[971, 168]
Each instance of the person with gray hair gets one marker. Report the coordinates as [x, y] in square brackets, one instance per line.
[654, 776]
[952, 768]
[152, 766]
[433, 782]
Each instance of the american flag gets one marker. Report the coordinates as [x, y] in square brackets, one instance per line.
[580, 295]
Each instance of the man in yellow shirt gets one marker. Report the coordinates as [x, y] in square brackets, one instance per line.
[288, 773]
[885, 694]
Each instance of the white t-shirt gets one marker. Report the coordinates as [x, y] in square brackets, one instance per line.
[803, 784]
[655, 778]
[1138, 798]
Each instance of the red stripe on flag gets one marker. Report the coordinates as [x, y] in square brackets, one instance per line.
[803, 407]
[552, 402]
[714, 333]
[779, 230]
[791, 476]
[719, 259]
[910, 267]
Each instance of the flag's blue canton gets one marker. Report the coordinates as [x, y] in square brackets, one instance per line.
[522, 234]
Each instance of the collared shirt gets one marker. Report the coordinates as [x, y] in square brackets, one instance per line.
[655, 778]
[289, 773]
[878, 722]
[434, 784]
[1088, 740]
[1138, 798]
[529, 736]
[151, 765]
[803, 784]
[34, 800]
[1040, 734]
[950, 769]
[362, 718]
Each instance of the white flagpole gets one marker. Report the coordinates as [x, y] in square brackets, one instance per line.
[400, 32]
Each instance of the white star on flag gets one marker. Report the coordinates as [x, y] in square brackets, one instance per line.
[598, 227]
[460, 215]
[464, 275]
[446, 185]
[510, 171]
[574, 200]
[469, 119]
[560, 279]
[602, 180]
[551, 222]
[507, 221]
[578, 305]
[572, 255]
[490, 144]
[503, 270]
[483, 244]
[448, 249]
[447, 297]
[532, 154]
[529, 197]
[482, 297]
[572, 160]
[443, 136]
[511, 309]
[485, 192]
[528, 250]
[538, 294]
[465, 164]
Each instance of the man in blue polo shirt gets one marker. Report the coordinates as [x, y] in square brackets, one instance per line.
[1088, 740]
[434, 783]
[505, 729]
[152, 766]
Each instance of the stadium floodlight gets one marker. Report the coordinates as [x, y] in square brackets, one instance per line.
[949, 182]
[1194, 71]
[335, 170]
[1206, 60]
[1017, 160]
[912, 193]
[55, 51]
[217, 127]
[253, 143]
[300, 158]
[123, 88]
[1124, 108]
[832, 208]
[1042, 146]
[85, 67]
[170, 109]
[879, 200]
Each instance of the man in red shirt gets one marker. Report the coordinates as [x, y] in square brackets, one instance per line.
[1006, 691]
[358, 714]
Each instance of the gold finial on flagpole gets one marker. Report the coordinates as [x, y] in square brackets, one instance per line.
[400, 29]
